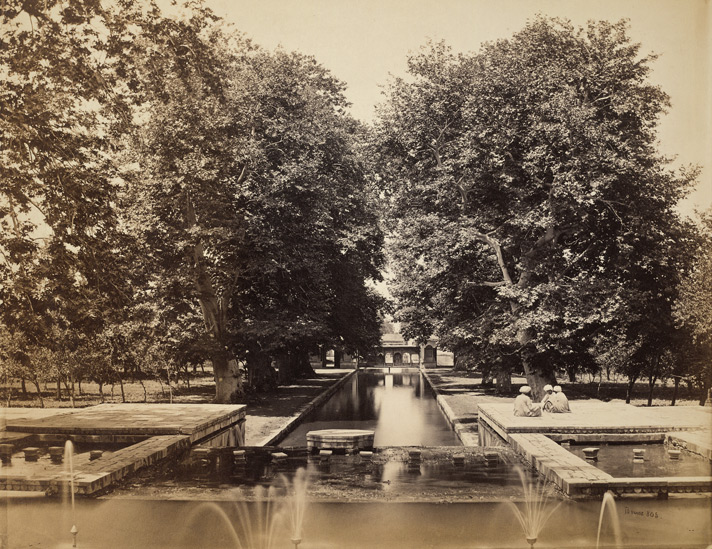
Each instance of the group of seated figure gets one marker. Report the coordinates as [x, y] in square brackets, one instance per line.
[554, 401]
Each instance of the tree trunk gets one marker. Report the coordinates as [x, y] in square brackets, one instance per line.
[651, 388]
[629, 389]
[571, 371]
[285, 367]
[504, 380]
[145, 394]
[535, 370]
[228, 379]
[23, 387]
[703, 394]
[674, 391]
[39, 392]
[59, 388]
[337, 358]
[304, 368]
[262, 376]
[228, 382]
[322, 356]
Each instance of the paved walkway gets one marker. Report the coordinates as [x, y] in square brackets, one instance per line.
[461, 398]
[278, 413]
[465, 404]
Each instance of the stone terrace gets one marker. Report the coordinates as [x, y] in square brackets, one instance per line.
[154, 432]
[596, 417]
[195, 420]
[536, 438]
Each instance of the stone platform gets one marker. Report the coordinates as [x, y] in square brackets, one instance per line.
[538, 438]
[593, 417]
[147, 433]
[348, 440]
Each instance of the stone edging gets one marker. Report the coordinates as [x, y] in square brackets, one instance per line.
[579, 479]
[467, 437]
[687, 440]
[274, 438]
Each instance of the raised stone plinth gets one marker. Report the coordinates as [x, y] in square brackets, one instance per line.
[349, 440]
[150, 433]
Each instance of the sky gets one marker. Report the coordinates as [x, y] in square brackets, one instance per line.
[363, 42]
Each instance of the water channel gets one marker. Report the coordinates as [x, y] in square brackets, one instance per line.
[617, 460]
[397, 404]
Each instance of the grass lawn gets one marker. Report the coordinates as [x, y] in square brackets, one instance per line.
[200, 388]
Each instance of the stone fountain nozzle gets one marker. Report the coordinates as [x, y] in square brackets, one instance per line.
[531, 541]
[74, 533]
[296, 541]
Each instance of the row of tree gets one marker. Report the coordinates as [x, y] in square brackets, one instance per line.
[534, 219]
[171, 193]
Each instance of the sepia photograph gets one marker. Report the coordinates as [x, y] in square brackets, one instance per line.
[356, 274]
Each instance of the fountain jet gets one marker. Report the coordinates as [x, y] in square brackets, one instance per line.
[534, 514]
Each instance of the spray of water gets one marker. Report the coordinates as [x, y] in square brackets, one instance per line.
[259, 521]
[69, 470]
[215, 509]
[296, 502]
[609, 503]
[256, 524]
[536, 511]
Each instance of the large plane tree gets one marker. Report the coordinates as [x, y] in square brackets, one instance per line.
[533, 217]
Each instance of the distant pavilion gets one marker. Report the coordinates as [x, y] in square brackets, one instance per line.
[396, 351]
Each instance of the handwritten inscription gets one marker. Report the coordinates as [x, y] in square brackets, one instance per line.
[644, 514]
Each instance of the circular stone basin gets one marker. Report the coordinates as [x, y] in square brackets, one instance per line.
[340, 439]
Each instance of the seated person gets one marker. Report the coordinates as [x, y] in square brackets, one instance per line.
[546, 401]
[559, 402]
[523, 405]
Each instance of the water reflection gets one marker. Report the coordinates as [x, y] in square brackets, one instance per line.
[617, 460]
[396, 405]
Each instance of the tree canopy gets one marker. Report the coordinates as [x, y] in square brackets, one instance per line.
[168, 185]
[531, 211]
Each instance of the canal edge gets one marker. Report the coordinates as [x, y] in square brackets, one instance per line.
[466, 437]
[274, 438]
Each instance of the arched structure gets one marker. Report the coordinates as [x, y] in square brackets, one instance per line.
[396, 351]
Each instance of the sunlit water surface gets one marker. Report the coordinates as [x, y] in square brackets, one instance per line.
[617, 460]
[396, 405]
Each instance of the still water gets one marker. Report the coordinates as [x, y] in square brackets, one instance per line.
[617, 460]
[159, 524]
[397, 405]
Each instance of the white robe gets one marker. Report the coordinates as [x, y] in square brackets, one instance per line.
[523, 407]
[559, 403]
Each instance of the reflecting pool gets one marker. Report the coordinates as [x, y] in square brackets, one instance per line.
[617, 460]
[119, 524]
[397, 405]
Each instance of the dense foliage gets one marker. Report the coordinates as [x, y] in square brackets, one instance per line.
[693, 313]
[172, 194]
[533, 219]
